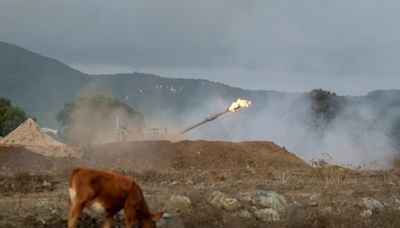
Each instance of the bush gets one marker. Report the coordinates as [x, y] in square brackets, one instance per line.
[10, 116]
[325, 106]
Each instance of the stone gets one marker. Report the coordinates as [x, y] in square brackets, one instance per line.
[326, 210]
[267, 214]
[178, 203]
[366, 213]
[216, 199]
[245, 214]
[397, 203]
[175, 222]
[270, 200]
[251, 170]
[372, 204]
[230, 204]
[246, 196]
[219, 200]
[314, 198]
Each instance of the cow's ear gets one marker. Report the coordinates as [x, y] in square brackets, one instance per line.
[157, 216]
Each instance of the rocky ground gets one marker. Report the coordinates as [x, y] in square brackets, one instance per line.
[205, 184]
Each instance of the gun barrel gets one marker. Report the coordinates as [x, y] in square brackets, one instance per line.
[208, 119]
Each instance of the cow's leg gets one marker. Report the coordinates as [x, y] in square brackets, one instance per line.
[131, 203]
[108, 221]
[130, 216]
[75, 211]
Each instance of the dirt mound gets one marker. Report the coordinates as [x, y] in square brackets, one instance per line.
[194, 155]
[23, 159]
[57, 151]
[29, 135]
[159, 155]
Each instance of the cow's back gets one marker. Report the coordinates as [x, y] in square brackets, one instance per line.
[109, 189]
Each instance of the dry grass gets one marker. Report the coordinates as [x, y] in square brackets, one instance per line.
[319, 195]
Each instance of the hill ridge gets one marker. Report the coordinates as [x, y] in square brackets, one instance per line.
[41, 85]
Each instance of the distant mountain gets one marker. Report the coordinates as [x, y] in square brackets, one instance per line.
[38, 84]
[41, 86]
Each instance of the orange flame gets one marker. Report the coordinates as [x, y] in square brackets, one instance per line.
[239, 104]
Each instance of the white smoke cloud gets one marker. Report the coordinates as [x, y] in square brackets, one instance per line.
[353, 138]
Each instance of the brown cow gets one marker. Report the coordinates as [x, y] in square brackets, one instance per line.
[107, 193]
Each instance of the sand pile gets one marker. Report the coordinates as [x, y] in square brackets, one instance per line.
[29, 133]
[29, 136]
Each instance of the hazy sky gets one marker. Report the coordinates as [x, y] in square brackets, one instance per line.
[350, 47]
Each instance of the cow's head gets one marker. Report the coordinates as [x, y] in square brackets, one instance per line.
[151, 222]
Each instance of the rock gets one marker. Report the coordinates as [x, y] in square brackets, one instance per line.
[245, 214]
[173, 183]
[178, 203]
[267, 214]
[372, 204]
[175, 222]
[294, 204]
[314, 198]
[167, 215]
[219, 200]
[41, 220]
[42, 203]
[230, 204]
[189, 182]
[251, 170]
[246, 196]
[326, 210]
[270, 200]
[216, 199]
[366, 213]
[397, 203]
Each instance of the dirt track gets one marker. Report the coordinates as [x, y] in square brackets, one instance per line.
[33, 187]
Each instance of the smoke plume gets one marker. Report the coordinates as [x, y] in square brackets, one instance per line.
[358, 134]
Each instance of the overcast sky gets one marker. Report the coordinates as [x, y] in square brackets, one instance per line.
[350, 47]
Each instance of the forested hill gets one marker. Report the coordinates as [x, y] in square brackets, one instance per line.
[38, 84]
[41, 85]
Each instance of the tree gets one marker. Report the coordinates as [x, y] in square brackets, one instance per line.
[325, 106]
[98, 119]
[317, 109]
[10, 116]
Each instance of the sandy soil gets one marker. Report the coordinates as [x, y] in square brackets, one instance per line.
[29, 133]
[33, 187]
[30, 136]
